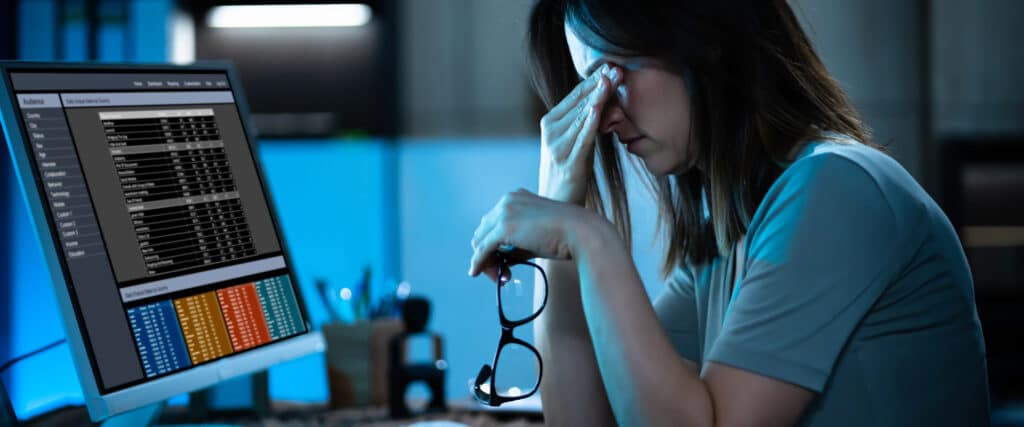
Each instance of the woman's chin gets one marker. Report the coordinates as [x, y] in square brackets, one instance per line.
[659, 167]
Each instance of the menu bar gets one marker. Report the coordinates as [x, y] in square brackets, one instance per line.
[128, 99]
[117, 81]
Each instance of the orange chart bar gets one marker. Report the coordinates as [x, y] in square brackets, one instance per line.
[206, 336]
[244, 317]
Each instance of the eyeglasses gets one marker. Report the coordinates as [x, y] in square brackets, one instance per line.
[486, 387]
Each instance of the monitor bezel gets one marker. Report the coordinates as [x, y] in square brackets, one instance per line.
[101, 406]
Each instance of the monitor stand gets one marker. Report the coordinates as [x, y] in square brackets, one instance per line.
[144, 416]
[147, 416]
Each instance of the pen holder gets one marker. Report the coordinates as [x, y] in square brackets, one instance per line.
[356, 360]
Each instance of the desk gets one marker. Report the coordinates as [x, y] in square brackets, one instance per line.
[295, 415]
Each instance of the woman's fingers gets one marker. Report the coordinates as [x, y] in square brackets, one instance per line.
[582, 120]
[480, 241]
[585, 137]
[520, 227]
[491, 271]
[584, 141]
[486, 223]
[608, 77]
[577, 95]
[490, 234]
[483, 255]
[572, 121]
[581, 130]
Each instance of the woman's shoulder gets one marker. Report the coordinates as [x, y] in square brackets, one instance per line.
[840, 174]
[836, 149]
[838, 160]
[836, 171]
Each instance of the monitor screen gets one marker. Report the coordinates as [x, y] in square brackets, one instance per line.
[150, 189]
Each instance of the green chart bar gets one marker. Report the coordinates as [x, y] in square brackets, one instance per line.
[280, 308]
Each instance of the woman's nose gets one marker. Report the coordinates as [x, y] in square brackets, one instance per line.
[612, 117]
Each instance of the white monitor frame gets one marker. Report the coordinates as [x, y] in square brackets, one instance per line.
[102, 406]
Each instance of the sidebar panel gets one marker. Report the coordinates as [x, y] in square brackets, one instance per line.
[67, 199]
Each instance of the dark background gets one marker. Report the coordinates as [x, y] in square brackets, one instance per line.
[406, 130]
[327, 80]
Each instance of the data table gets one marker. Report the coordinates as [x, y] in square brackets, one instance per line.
[178, 186]
[158, 338]
[280, 307]
[244, 317]
[203, 327]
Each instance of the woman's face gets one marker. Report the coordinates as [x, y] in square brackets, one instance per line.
[650, 112]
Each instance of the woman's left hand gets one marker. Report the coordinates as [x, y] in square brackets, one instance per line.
[535, 226]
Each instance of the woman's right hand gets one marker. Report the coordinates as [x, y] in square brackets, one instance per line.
[567, 138]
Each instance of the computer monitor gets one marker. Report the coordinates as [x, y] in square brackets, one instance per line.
[160, 236]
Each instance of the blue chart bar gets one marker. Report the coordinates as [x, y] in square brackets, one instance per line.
[158, 336]
[280, 308]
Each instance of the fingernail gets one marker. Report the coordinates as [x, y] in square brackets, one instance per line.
[614, 74]
[601, 84]
[604, 68]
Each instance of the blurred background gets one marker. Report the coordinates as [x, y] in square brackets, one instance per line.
[384, 142]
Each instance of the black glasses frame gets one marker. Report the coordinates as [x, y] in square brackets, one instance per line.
[489, 372]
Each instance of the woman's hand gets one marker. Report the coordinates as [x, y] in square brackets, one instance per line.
[567, 137]
[535, 226]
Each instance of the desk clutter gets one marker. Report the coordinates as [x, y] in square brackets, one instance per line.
[368, 363]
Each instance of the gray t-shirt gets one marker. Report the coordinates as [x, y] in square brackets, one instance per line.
[851, 283]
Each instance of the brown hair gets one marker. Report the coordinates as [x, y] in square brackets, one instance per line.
[757, 89]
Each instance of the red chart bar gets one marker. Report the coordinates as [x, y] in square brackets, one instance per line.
[244, 317]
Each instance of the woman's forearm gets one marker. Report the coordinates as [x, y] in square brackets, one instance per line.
[648, 382]
[572, 391]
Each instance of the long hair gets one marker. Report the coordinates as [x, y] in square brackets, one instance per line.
[757, 90]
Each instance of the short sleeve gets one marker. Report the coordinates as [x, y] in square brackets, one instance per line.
[676, 308]
[821, 249]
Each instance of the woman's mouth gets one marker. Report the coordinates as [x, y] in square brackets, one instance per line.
[628, 142]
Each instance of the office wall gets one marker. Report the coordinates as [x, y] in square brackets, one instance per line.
[335, 205]
[873, 48]
[978, 64]
[923, 70]
[149, 30]
[8, 30]
[462, 69]
[37, 30]
[340, 80]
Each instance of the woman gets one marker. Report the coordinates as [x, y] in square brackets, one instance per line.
[812, 280]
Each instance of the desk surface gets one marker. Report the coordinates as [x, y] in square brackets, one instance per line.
[292, 414]
[287, 414]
